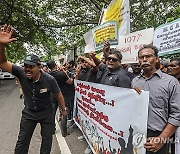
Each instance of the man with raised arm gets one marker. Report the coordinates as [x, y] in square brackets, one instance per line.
[37, 88]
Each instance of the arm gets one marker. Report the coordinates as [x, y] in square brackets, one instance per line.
[69, 80]
[92, 55]
[5, 38]
[60, 99]
[106, 50]
[78, 69]
[90, 62]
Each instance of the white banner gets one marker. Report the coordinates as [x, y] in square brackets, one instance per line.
[118, 10]
[130, 44]
[112, 119]
[88, 37]
[167, 38]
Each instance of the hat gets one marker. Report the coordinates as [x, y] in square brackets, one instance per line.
[51, 64]
[32, 59]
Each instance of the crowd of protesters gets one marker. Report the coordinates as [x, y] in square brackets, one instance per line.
[49, 87]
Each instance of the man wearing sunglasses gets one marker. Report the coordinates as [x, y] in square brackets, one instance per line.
[37, 87]
[111, 73]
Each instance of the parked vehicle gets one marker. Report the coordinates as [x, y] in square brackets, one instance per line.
[5, 75]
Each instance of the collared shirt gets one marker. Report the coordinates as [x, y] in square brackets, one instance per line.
[117, 78]
[164, 99]
[37, 94]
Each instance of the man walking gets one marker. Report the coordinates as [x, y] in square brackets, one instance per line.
[37, 87]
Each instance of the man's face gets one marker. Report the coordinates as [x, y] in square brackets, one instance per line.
[113, 63]
[85, 65]
[32, 71]
[67, 65]
[174, 68]
[147, 59]
[136, 68]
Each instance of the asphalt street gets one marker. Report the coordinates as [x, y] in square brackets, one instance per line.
[10, 112]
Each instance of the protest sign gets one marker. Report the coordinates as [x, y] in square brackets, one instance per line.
[118, 10]
[105, 32]
[130, 44]
[112, 119]
[167, 38]
[88, 37]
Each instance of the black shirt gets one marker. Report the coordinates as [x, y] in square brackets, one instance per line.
[69, 88]
[37, 95]
[117, 78]
[87, 75]
[61, 79]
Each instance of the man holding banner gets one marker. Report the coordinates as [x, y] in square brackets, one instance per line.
[164, 104]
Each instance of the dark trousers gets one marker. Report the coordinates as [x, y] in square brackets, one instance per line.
[63, 121]
[164, 149]
[28, 123]
[69, 101]
[173, 144]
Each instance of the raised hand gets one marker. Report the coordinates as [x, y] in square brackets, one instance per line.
[106, 47]
[92, 54]
[6, 34]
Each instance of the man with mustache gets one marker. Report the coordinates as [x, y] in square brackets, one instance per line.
[37, 88]
[164, 104]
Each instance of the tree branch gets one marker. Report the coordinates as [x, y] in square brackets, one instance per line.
[69, 25]
[11, 11]
[96, 4]
[141, 12]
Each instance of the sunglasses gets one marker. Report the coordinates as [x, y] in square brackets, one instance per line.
[113, 59]
[29, 66]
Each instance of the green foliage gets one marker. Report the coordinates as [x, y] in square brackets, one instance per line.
[43, 23]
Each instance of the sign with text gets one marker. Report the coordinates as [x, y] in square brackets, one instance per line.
[112, 119]
[105, 32]
[167, 38]
[130, 44]
[88, 37]
[118, 10]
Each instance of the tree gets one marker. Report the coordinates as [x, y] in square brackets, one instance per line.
[43, 23]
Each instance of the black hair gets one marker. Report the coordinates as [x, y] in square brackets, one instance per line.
[117, 53]
[71, 62]
[154, 48]
[176, 59]
[51, 64]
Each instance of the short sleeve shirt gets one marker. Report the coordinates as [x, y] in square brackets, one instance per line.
[61, 79]
[37, 95]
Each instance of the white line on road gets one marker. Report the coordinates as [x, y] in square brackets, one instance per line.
[61, 140]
